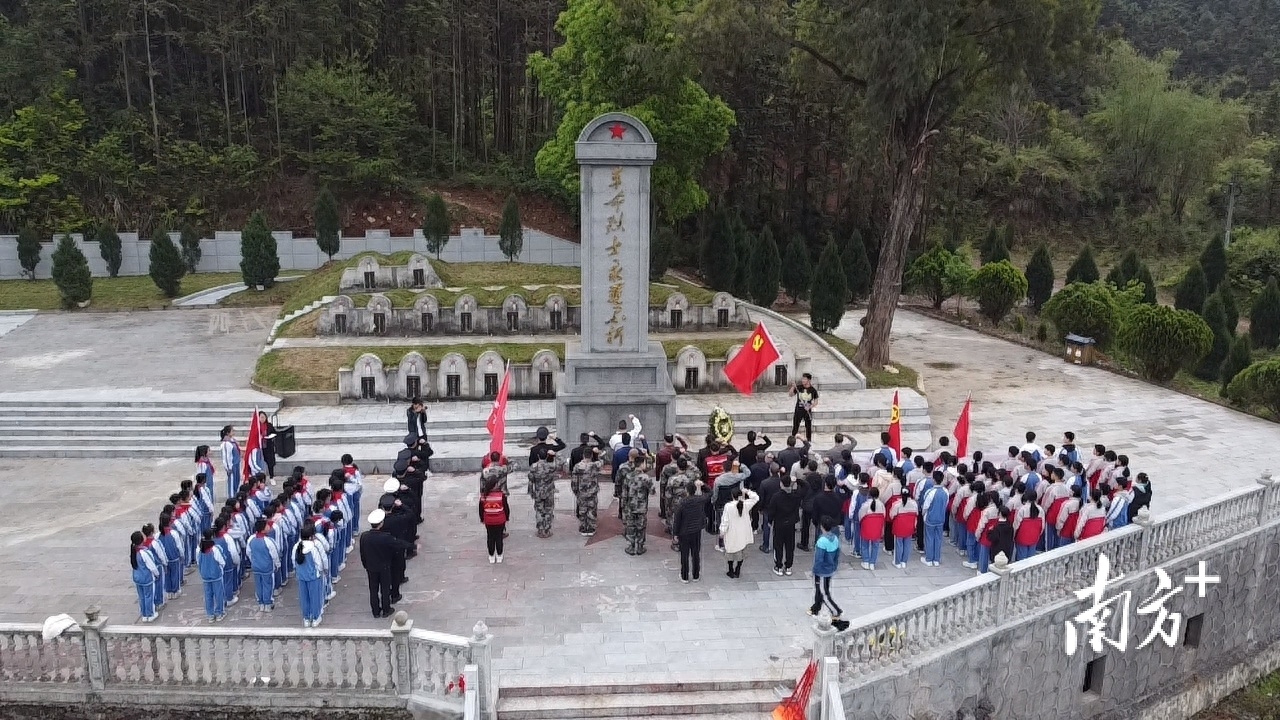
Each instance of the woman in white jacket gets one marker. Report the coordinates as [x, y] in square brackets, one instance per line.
[735, 529]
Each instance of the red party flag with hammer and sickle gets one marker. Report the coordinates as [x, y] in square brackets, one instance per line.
[756, 355]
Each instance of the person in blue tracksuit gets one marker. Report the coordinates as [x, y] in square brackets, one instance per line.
[933, 506]
[264, 557]
[204, 466]
[1118, 511]
[231, 561]
[354, 489]
[145, 576]
[306, 558]
[211, 563]
[152, 544]
[173, 569]
[826, 560]
[231, 460]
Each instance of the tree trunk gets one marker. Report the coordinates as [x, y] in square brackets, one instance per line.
[904, 212]
[151, 75]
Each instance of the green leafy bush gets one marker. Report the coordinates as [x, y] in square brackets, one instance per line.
[435, 225]
[167, 267]
[1192, 290]
[830, 289]
[939, 274]
[1264, 317]
[1162, 340]
[259, 263]
[1210, 367]
[1085, 309]
[1240, 357]
[1213, 260]
[1254, 256]
[328, 225]
[109, 248]
[1258, 384]
[997, 287]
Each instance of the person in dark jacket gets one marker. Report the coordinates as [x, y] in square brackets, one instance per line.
[1141, 495]
[399, 523]
[1001, 536]
[751, 453]
[547, 442]
[268, 445]
[379, 550]
[687, 526]
[784, 513]
[586, 441]
[767, 489]
[795, 451]
[416, 416]
[829, 502]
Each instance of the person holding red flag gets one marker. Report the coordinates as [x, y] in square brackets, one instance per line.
[895, 428]
[497, 423]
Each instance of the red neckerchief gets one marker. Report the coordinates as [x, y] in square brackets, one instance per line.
[262, 535]
[180, 511]
[350, 470]
[335, 497]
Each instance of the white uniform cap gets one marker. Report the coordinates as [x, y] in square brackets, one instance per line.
[391, 486]
[376, 517]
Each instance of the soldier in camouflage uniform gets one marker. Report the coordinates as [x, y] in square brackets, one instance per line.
[497, 470]
[542, 488]
[670, 474]
[636, 488]
[586, 489]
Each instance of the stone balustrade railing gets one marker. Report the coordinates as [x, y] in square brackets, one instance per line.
[284, 668]
[1009, 591]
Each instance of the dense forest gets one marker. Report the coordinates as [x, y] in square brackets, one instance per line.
[899, 122]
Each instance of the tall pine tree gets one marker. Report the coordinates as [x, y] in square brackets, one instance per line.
[745, 243]
[1210, 367]
[435, 225]
[1148, 284]
[259, 263]
[768, 270]
[71, 273]
[167, 267]
[328, 225]
[109, 248]
[189, 242]
[1040, 278]
[797, 273]
[1129, 267]
[28, 251]
[828, 292]
[1213, 260]
[1192, 290]
[1084, 269]
[1264, 317]
[1239, 358]
[719, 252]
[857, 267]
[511, 232]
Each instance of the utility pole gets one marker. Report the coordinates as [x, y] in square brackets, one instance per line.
[1233, 191]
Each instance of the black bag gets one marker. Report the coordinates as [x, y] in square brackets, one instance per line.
[286, 442]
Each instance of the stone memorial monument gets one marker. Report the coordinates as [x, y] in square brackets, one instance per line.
[614, 370]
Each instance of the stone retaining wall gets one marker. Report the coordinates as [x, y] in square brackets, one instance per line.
[221, 253]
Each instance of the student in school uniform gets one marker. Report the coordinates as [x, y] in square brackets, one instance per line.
[960, 498]
[205, 466]
[211, 562]
[169, 542]
[231, 560]
[162, 561]
[1140, 495]
[891, 494]
[904, 517]
[231, 460]
[264, 556]
[988, 519]
[1118, 511]
[1000, 538]
[145, 576]
[1093, 517]
[973, 524]
[1028, 527]
[311, 576]
[354, 488]
[1068, 519]
[871, 524]
[494, 514]
[933, 510]
[1054, 502]
[1028, 473]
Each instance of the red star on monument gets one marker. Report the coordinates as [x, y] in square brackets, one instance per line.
[617, 131]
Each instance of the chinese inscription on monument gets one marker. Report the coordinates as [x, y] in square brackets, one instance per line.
[614, 225]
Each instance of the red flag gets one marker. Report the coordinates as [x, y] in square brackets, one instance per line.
[252, 461]
[497, 424]
[756, 355]
[962, 430]
[895, 425]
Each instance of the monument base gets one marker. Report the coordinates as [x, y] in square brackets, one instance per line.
[599, 389]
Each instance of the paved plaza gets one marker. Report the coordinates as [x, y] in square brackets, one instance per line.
[561, 609]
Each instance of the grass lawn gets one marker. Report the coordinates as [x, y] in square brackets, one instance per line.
[1257, 701]
[711, 349]
[876, 377]
[121, 293]
[504, 274]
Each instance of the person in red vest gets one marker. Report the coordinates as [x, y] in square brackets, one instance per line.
[1028, 526]
[1069, 517]
[990, 517]
[1093, 516]
[904, 516]
[871, 520]
[494, 513]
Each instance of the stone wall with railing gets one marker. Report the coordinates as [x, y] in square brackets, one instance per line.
[208, 667]
[997, 643]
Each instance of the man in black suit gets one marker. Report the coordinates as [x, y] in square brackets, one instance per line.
[379, 551]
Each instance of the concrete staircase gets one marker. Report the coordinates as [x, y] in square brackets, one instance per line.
[275, 327]
[739, 700]
[145, 428]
